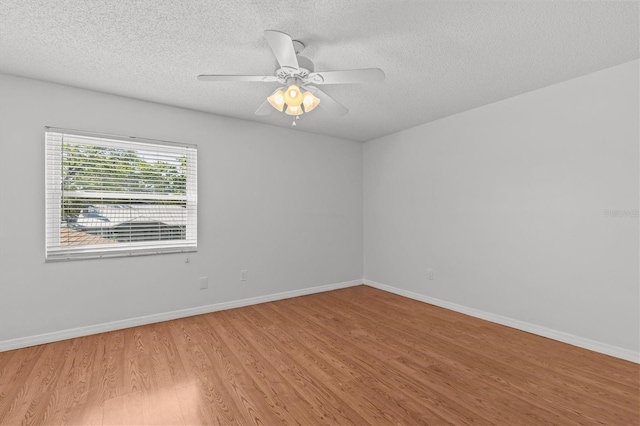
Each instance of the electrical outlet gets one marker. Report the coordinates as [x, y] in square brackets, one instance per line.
[204, 283]
[243, 275]
[430, 274]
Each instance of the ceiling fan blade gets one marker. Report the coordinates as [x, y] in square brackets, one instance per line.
[257, 78]
[365, 75]
[282, 47]
[327, 102]
[264, 109]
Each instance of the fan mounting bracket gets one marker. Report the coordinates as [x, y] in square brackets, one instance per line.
[298, 46]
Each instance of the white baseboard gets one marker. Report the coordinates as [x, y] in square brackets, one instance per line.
[23, 342]
[560, 336]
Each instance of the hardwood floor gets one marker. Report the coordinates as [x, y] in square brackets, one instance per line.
[353, 356]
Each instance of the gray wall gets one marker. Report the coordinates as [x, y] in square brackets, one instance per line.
[285, 205]
[507, 204]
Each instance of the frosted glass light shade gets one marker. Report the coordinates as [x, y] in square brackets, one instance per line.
[293, 96]
[277, 100]
[294, 110]
[309, 101]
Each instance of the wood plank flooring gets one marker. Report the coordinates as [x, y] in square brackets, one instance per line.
[351, 357]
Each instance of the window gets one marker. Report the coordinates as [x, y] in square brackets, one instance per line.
[118, 196]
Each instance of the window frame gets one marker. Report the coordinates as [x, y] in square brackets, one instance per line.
[54, 194]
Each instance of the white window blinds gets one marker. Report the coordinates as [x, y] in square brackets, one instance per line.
[118, 196]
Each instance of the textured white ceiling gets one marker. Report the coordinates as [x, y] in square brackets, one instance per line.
[440, 57]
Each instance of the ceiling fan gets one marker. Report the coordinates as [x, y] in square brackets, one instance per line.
[299, 93]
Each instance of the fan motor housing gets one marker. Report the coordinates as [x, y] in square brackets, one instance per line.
[305, 68]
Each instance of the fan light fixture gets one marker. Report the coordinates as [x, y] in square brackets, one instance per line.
[297, 103]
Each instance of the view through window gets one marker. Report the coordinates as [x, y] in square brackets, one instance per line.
[118, 196]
